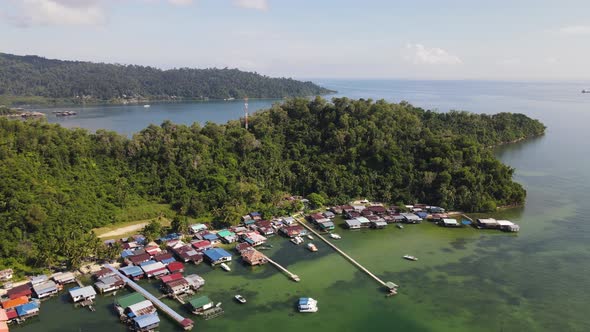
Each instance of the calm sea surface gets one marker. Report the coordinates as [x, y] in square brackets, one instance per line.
[465, 280]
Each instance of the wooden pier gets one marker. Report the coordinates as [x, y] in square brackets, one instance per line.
[389, 285]
[186, 323]
[293, 277]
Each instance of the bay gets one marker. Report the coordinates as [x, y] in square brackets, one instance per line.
[465, 280]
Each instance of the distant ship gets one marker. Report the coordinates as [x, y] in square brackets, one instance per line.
[586, 91]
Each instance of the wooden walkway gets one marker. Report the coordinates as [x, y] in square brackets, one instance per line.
[389, 285]
[186, 323]
[293, 277]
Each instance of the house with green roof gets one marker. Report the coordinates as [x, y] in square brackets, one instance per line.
[227, 236]
[128, 300]
[200, 304]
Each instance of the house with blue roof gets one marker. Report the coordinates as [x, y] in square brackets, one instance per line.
[213, 238]
[27, 310]
[146, 322]
[132, 271]
[217, 256]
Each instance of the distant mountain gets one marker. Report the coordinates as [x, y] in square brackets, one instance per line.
[33, 76]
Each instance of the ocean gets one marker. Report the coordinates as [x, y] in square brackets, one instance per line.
[465, 279]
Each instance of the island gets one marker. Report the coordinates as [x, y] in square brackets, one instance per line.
[61, 183]
[37, 80]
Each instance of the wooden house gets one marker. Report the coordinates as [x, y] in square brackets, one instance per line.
[253, 257]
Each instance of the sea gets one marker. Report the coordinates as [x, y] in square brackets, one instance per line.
[465, 279]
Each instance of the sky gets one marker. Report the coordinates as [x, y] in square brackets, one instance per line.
[372, 39]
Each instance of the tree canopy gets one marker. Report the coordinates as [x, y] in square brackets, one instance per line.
[58, 184]
[33, 76]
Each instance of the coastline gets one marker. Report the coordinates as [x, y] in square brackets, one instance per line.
[36, 102]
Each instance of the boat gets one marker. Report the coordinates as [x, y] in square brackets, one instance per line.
[312, 247]
[64, 113]
[410, 258]
[297, 240]
[400, 226]
[147, 106]
[225, 267]
[586, 91]
[240, 298]
[335, 236]
[307, 304]
[309, 236]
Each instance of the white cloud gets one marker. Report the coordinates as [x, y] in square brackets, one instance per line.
[252, 4]
[56, 12]
[576, 30]
[419, 54]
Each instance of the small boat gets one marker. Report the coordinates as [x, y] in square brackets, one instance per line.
[309, 236]
[410, 258]
[297, 240]
[586, 91]
[400, 226]
[312, 247]
[147, 106]
[225, 267]
[307, 304]
[240, 298]
[335, 236]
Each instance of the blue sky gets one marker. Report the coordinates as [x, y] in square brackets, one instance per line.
[420, 39]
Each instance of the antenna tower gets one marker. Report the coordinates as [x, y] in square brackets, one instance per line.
[246, 112]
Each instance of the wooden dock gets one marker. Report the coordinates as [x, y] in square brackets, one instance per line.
[389, 285]
[185, 323]
[293, 277]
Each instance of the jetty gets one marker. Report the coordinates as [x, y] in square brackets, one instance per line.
[293, 277]
[185, 323]
[389, 285]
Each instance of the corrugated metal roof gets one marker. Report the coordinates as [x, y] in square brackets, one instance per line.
[85, 292]
[146, 320]
[46, 287]
[127, 300]
[199, 301]
[15, 302]
[27, 308]
[216, 254]
[140, 306]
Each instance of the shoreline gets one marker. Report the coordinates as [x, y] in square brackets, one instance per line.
[43, 102]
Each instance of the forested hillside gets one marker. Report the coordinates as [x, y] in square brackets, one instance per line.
[76, 81]
[59, 183]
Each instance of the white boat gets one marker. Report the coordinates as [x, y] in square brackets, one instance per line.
[240, 298]
[297, 240]
[309, 236]
[400, 226]
[410, 258]
[312, 247]
[335, 236]
[225, 267]
[147, 106]
[307, 304]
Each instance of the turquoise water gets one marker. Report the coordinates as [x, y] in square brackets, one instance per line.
[465, 280]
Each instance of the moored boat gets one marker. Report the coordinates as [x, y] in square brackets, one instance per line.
[335, 236]
[147, 106]
[225, 267]
[297, 240]
[307, 304]
[240, 298]
[410, 258]
[312, 247]
[309, 236]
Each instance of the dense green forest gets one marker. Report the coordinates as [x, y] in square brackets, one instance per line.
[26, 78]
[57, 183]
